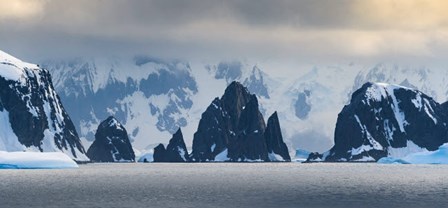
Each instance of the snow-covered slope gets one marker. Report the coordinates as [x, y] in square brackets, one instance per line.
[150, 97]
[32, 117]
[431, 81]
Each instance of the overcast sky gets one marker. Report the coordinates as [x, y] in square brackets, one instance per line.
[316, 31]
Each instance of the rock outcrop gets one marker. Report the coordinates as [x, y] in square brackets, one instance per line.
[274, 140]
[111, 143]
[176, 151]
[232, 129]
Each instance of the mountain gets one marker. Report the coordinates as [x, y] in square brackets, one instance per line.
[32, 117]
[431, 81]
[253, 78]
[384, 120]
[233, 129]
[307, 100]
[277, 149]
[111, 143]
[176, 151]
[149, 96]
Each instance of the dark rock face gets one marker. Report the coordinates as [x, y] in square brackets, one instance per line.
[35, 112]
[160, 153]
[213, 133]
[382, 119]
[315, 156]
[176, 151]
[249, 143]
[232, 125]
[111, 143]
[274, 140]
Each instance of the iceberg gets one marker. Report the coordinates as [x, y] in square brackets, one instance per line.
[35, 160]
[147, 156]
[301, 155]
[439, 156]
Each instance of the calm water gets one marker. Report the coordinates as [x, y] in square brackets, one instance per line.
[228, 185]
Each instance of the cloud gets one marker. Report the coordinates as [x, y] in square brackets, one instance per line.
[313, 31]
[402, 14]
[20, 9]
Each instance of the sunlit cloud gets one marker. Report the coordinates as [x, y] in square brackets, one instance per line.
[20, 9]
[401, 14]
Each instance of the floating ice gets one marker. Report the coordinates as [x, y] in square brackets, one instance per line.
[35, 160]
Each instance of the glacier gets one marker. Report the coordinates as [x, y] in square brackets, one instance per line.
[35, 160]
[439, 156]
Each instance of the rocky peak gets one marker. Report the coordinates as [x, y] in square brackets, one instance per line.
[112, 123]
[111, 143]
[274, 140]
[234, 100]
[232, 125]
[176, 151]
[160, 153]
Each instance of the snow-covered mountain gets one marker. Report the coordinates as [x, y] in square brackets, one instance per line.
[431, 81]
[384, 120]
[308, 101]
[32, 117]
[150, 97]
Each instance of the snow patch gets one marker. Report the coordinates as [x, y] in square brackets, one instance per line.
[222, 157]
[379, 91]
[363, 148]
[8, 139]
[12, 68]
[275, 157]
[181, 153]
[365, 159]
[410, 148]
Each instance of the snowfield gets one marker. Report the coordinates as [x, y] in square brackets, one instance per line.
[35, 160]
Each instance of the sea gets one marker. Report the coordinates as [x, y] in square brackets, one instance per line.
[228, 185]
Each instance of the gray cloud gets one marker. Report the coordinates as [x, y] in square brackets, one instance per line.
[306, 30]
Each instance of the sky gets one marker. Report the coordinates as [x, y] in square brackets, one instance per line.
[322, 31]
